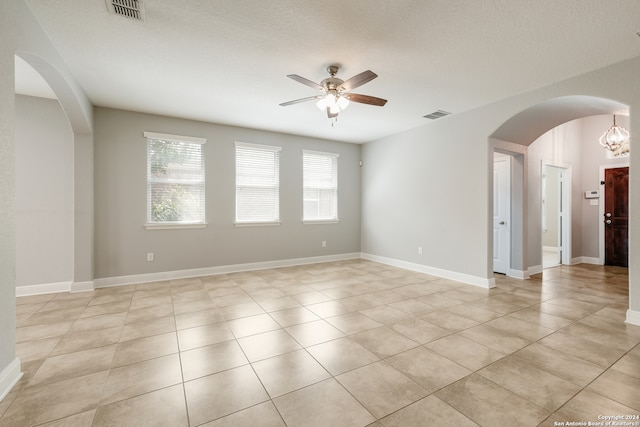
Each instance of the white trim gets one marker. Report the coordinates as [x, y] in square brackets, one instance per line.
[273, 148]
[257, 223]
[9, 377]
[518, 274]
[44, 288]
[566, 201]
[174, 226]
[534, 269]
[169, 137]
[223, 269]
[433, 271]
[633, 317]
[504, 232]
[586, 260]
[82, 286]
[321, 153]
[321, 221]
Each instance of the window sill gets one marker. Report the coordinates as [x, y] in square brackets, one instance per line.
[170, 226]
[322, 221]
[257, 224]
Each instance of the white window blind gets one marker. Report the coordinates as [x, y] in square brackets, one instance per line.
[175, 180]
[320, 186]
[257, 183]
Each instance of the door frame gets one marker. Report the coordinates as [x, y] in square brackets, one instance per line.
[506, 197]
[565, 218]
[601, 207]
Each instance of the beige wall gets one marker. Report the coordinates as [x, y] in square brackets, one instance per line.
[574, 144]
[22, 35]
[44, 193]
[550, 207]
[594, 157]
[431, 186]
[559, 146]
[122, 242]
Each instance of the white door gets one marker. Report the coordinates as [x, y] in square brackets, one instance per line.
[551, 216]
[501, 213]
[556, 215]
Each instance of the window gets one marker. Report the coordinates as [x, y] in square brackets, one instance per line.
[257, 184]
[320, 186]
[175, 181]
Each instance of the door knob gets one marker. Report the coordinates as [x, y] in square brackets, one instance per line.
[608, 222]
[608, 214]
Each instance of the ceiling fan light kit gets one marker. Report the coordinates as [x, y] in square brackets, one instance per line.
[334, 102]
[336, 94]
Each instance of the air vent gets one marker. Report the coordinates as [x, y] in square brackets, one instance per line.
[437, 114]
[128, 8]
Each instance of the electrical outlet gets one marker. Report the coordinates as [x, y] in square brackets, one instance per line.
[419, 250]
[149, 256]
[324, 243]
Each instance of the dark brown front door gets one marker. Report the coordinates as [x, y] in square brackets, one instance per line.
[616, 217]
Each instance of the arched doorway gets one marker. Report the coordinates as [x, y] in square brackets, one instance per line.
[76, 109]
[44, 186]
[550, 119]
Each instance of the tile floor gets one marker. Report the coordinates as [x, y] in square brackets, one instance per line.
[351, 343]
[550, 258]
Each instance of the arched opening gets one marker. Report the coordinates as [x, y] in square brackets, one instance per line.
[562, 131]
[54, 180]
[44, 185]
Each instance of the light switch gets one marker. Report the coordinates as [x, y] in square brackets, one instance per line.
[593, 202]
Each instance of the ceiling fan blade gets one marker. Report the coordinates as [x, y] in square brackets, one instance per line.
[305, 81]
[365, 99]
[297, 101]
[330, 115]
[358, 80]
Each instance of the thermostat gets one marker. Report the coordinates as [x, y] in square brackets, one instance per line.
[593, 194]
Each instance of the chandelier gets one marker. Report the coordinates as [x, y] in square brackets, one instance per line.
[616, 138]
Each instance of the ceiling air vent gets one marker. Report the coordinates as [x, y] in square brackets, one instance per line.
[128, 8]
[437, 114]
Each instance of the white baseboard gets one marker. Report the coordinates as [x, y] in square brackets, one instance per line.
[535, 269]
[211, 271]
[48, 288]
[585, 260]
[45, 288]
[518, 274]
[446, 274]
[9, 377]
[82, 286]
[633, 317]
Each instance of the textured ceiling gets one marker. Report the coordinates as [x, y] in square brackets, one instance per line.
[226, 61]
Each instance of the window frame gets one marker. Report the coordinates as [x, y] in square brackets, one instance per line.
[334, 171]
[158, 225]
[276, 150]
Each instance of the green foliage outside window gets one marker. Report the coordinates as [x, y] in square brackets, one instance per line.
[175, 181]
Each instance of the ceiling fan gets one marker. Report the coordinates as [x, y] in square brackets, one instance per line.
[336, 93]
